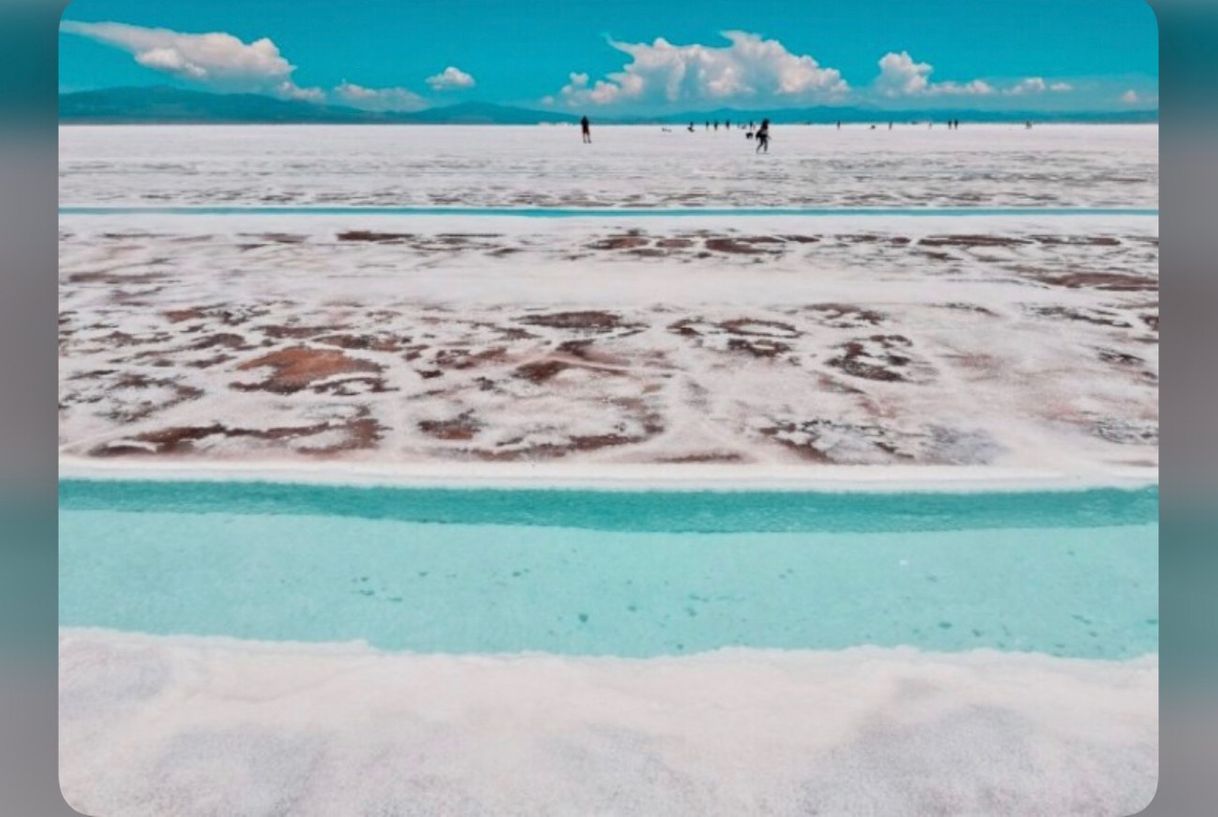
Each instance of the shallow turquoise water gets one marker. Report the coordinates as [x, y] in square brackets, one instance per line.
[620, 573]
[600, 212]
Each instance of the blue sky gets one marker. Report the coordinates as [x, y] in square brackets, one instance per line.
[628, 56]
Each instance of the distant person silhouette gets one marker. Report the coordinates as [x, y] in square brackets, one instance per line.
[716, 124]
[763, 137]
[839, 124]
[691, 127]
[585, 128]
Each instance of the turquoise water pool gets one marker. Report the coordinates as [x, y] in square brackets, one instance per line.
[614, 572]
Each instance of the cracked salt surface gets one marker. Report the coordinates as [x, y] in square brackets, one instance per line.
[422, 340]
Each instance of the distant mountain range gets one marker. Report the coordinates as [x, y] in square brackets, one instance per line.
[163, 104]
[168, 105]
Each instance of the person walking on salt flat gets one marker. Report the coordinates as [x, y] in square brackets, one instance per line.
[585, 128]
[763, 137]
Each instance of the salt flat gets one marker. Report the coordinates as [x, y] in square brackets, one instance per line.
[637, 166]
[1015, 342]
[974, 350]
[1025, 341]
[205, 726]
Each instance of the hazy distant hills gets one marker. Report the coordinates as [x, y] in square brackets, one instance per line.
[824, 115]
[165, 105]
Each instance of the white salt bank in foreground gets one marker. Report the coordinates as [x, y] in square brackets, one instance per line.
[215, 726]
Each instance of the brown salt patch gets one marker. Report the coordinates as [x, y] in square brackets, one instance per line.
[1078, 240]
[372, 343]
[1108, 281]
[742, 328]
[830, 441]
[360, 433]
[119, 338]
[208, 362]
[127, 408]
[734, 246]
[1119, 358]
[972, 241]
[686, 327]
[1125, 360]
[541, 371]
[758, 347]
[110, 277]
[276, 238]
[965, 307]
[623, 241]
[92, 374]
[584, 350]
[132, 234]
[292, 332]
[759, 328]
[298, 367]
[353, 386]
[459, 358]
[462, 427]
[832, 384]
[369, 235]
[701, 457]
[179, 315]
[576, 443]
[1126, 432]
[233, 316]
[227, 340]
[589, 320]
[1100, 317]
[874, 358]
[846, 316]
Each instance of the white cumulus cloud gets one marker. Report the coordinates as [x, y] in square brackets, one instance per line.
[1130, 97]
[290, 90]
[901, 76]
[449, 79]
[216, 58]
[379, 99]
[1037, 85]
[749, 70]
[225, 62]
